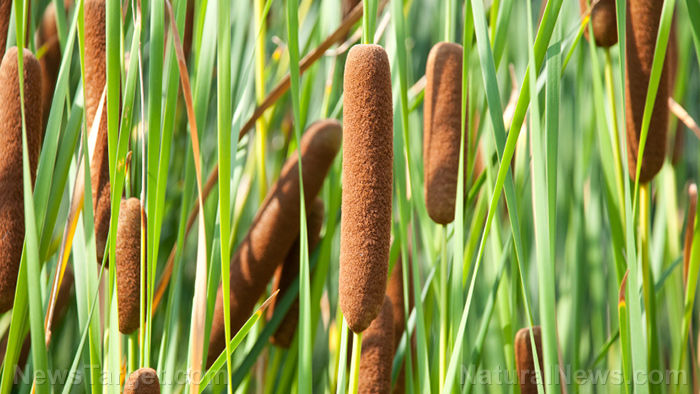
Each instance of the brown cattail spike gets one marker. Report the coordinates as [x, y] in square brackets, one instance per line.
[378, 352]
[12, 195]
[367, 185]
[394, 290]
[525, 361]
[95, 79]
[142, 381]
[441, 129]
[5, 12]
[288, 272]
[603, 21]
[128, 260]
[274, 229]
[643, 18]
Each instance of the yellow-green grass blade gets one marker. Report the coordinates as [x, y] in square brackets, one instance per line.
[234, 342]
[638, 362]
[31, 241]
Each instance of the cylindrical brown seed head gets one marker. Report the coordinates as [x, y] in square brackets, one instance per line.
[603, 21]
[5, 11]
[367, 185]
[524, 360]
[287, 272]
[142, 381]
[128, 261]
[95, 78]
[441, 129]
[643, 17]
[274, 229]
[12, 195]
[394, 290]
[378, 352]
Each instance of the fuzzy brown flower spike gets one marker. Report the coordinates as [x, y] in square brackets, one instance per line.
[288, 272]
[377, 354]
[5, 12]
[441, 129]
[95, 79]
[525, 361]
[128, 261]
[603, 21]
[274, 229]
[142, 381]
[643, 18]
[11, 189]
[367, 185]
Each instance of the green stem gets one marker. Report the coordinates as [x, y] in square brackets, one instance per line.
[648, 281]
[615, 136]
[443, 306]
[355, 364]
[133, 340]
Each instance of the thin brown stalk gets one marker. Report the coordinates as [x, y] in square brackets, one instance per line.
[683, 116]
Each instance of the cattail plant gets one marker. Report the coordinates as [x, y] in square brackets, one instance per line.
[274, 229]
[367, 185]
[128, 264]
[142, 381]
[287, 272]
[643, 18]
[603, 21]
[442, 129]
[12, 195]
[525, 360]
[95, 80]
[378, 352]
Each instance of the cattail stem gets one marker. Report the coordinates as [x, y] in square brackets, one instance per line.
[648, 277]
[690, 223]
[614, 133]
[443, 306]
[133, 355]
[342, 381]
[355, 363]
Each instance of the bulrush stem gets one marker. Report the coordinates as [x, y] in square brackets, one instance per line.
[615, 134]
[443, 306]
[648, 278]
[355, 363]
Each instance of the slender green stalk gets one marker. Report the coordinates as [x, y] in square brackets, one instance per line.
[444, 324]
[223, 94]
[305, 344]
[342, 381]
[648, 281]
[261, 124]
[31, 246]
[355, 363]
